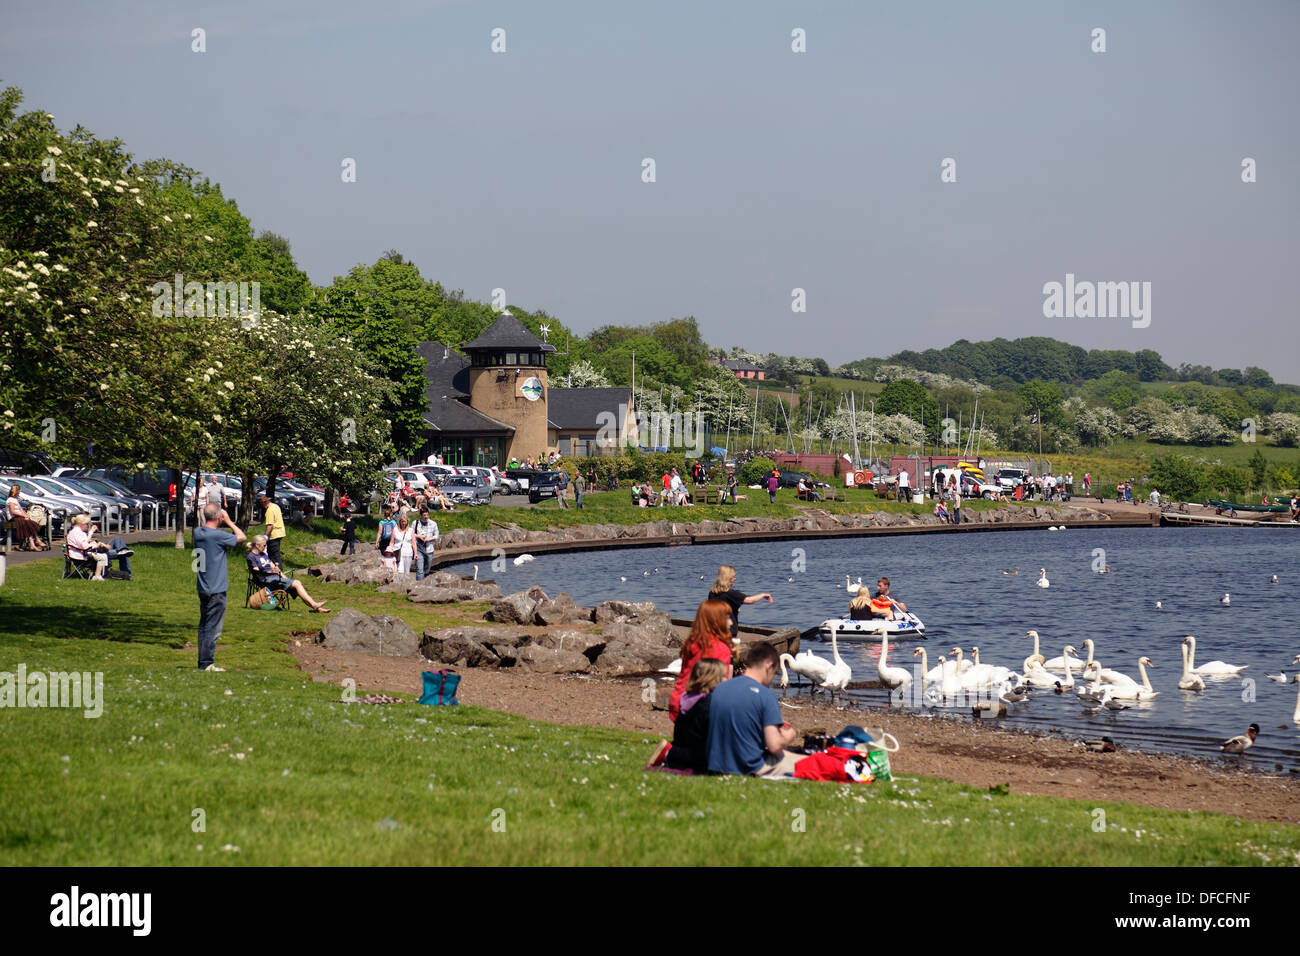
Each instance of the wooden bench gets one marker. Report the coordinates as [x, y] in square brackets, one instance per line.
[835, 494]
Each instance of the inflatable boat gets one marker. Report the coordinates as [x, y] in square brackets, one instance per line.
[903, 626]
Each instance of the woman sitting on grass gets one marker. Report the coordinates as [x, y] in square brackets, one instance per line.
[272, 577]
[710, 637]
[690, 749]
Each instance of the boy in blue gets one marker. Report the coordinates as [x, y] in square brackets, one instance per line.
[747, 734]
[213, 543]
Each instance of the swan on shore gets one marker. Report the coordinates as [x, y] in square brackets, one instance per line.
[1189, 680]
[840, 673]
[896, 678]
[806, 664]
[1213, 667]
[1241, 744]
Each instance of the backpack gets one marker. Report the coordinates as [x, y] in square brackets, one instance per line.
[440, 688]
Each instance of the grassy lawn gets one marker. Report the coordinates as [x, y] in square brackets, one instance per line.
[289, 777]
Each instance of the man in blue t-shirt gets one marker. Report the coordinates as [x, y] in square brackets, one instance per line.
[747, 734]
[212, 544]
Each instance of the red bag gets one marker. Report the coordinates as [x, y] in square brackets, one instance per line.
[835, 764]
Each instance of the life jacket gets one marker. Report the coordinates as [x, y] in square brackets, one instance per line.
[881, 605]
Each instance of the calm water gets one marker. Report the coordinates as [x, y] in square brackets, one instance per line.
[954, 583]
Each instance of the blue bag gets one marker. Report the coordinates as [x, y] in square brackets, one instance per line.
[440, 688]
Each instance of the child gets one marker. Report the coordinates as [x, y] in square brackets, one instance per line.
[691, 734]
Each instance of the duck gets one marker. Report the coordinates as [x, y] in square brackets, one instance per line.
[895, 678]
[1105, 570]
[851, 587]
[1109, 701]
[1159, 606]
[1226, 600]
[1273, 579]
[808, 665]
[1213, 667]
[1189, 680]
[524, 559]
[840, 673]
[1015, 570]
[1241, 744]
[1042, 581]
[994, 708]
[1103, 746]
[1013, 695]
[1278, 678]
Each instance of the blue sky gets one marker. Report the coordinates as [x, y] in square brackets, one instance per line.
[774, 169]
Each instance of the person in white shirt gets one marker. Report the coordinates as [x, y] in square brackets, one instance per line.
[400, 544]
[426, 541]
[83, 547]
[903, 480]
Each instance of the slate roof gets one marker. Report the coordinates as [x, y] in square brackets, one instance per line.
[507, 332]
[740, 365]
[573, 408]
[446, 376]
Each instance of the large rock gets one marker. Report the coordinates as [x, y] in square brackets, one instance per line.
[350, 630]
[562, 610]
[619, 658]
[548, 660]
[518, 608]
[580, 641]
[432, 594]
[466, 646]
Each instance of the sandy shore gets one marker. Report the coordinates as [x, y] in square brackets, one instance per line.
[978, 754]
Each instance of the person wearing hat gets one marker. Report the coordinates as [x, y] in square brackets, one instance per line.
[274, 527]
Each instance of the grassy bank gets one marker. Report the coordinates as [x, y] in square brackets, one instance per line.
[289, 777]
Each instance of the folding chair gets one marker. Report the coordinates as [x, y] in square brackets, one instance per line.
[83, 568]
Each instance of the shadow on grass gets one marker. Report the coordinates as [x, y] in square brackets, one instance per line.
[88, 624]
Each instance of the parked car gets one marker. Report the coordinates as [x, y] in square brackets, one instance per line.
[1011, 477]
[14, 462]
[53, 502]
[546, 484]
[791, 479]
[467, 489]
[160, 483]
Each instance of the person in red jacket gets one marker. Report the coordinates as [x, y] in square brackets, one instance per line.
[710, 637]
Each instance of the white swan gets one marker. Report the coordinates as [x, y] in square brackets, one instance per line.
[950, 684]
[986, 674]
[963, 665]
[850, 586]
[840, 674]
[1042, 581]
[896, 678]
[929, 675]
[1060, 663]
[1035, 659]
[1213, 667]
[1226, 600]
[1189, 680]
[808, 665]
[1295, 718]
[1069, 674]
[1035, 676]
[524, 559]
[1132, 690]
[1159, 606]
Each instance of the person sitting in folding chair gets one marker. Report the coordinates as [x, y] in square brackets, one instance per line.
[265, 573]
[82, 547]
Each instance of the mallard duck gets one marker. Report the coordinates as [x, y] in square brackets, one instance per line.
[1103, 746]
[1241, 744]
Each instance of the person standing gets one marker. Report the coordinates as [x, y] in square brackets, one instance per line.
[274, 527]
[349, 533]
[773, 483]
[956, 504]
[212, 543]
[385, 534]
[579, 486]
[724, 590]
[426, 542]
[399, 552]
[903, 484]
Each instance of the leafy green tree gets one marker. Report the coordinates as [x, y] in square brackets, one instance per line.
[906, 397]
[1039, 397]
[1177, 477]
[1258, 466]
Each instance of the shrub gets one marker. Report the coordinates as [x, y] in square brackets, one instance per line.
[752, 471]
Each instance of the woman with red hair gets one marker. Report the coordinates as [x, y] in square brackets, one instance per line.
[710, 637]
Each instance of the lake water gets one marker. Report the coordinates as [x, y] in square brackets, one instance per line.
[955, 585]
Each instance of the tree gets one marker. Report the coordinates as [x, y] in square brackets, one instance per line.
[1178, 478]
[908, 398]
[1258, 466]
[1039, 397]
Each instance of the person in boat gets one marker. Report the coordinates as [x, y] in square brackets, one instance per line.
[860, 607]
[882, 605]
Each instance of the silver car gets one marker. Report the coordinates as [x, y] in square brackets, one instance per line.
[467, 489]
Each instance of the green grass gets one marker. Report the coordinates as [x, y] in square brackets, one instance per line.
[328, 783]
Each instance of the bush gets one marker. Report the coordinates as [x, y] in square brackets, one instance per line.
[1229, 481]
[1178, 478]
[752, 471]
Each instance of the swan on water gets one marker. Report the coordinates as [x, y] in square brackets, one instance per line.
[840, 673]
[949, 684]
[986, 674]
[1295, 718]
[1241, 744]
[524, 559]
[1059, 663]
[1189, 680]
[929, 675]
[1034, 659]
[1226, 599]
[963, 665]
[1159, 606]
[851, 587]
[1042, 581]
[897, 678]
[1213, 667]
[806, 664]
[476, 572]
[1131, 689]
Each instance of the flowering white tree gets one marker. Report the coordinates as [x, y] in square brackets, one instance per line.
[1284, 427]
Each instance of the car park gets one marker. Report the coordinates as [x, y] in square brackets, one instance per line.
[160, 483]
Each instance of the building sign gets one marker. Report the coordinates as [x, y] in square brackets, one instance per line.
[531, 389]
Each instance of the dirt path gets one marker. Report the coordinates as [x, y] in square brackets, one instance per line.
[976, 754]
